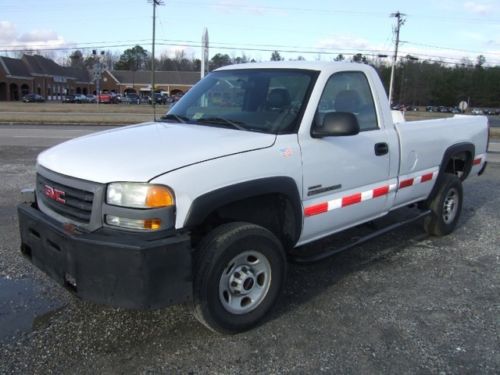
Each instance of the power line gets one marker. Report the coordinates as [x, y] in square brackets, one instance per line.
[448, 48]
[233, 5]
[93, 44]
[121, 43]
[314, 10]
[248, 47]
[28, 48]
[16, 7]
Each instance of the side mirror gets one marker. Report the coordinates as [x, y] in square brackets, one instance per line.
[336, 124]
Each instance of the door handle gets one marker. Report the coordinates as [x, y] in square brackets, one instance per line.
[381, 148]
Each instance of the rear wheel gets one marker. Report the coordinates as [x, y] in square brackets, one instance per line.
[445, 207]
[239, 272]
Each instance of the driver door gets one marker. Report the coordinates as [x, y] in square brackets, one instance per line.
[345, 178]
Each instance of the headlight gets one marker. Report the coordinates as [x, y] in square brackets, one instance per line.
[139, 195]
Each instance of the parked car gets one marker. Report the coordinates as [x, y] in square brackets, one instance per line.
[68, 99]
[477, 111]
[174, 98]
[80, 98]
[131, 98]
[91, 98]
[116, 98]
[33, 98]
[208, 206]
[159, 99]
[104, 98]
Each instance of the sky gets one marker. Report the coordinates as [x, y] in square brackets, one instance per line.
[443, 30]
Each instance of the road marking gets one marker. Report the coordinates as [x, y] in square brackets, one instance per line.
[41, 136]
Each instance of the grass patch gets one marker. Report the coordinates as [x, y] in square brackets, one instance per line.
[116, 114]
[495, 132]
[420, 115]
[59, 113]
[55, 107]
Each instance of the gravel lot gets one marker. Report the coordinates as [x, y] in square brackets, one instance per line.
[404, 303]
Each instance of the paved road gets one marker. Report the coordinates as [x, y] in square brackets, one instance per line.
[402, 303]
[43, 136]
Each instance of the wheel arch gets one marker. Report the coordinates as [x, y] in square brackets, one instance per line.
[252, 201]
[463, 153]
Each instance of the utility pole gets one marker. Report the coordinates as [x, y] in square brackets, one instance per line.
[153, 99]
[400, 21]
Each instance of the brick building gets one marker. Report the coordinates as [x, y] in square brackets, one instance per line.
[39, 75]
[139, 82]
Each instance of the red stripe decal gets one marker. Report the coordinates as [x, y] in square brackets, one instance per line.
[426, 177]
[476, 161]
[351, 199]
[316, 209]
[378, 192]
[406, 183]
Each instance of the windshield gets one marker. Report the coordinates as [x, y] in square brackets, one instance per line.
[264, 100]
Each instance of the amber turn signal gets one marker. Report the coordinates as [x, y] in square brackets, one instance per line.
[159, 196]
[152, 224]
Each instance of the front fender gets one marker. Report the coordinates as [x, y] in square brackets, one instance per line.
[207, 203]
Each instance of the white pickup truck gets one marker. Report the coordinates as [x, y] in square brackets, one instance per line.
[254, 161]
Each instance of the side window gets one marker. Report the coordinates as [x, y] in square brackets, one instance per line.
[349, 92]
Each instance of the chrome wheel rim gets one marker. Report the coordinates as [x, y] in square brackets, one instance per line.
[450, 206]
[245, 282]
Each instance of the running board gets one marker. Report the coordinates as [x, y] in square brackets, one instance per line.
[304, 259]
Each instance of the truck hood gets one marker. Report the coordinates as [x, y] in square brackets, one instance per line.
[141, 152]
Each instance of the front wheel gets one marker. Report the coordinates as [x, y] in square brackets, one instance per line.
[240, 269]
[445, 207]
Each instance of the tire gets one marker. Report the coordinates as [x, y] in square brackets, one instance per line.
[445, 207]
[240, 269]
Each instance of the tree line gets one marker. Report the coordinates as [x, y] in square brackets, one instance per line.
[434, 83]
[417, 82]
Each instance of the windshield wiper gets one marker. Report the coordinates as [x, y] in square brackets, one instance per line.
[222, 121]
[171, 116]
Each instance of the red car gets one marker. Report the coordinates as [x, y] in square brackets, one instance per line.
[104, 98]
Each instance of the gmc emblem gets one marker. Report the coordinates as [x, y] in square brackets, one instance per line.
[54, 194]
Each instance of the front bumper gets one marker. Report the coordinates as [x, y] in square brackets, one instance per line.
[108, 266]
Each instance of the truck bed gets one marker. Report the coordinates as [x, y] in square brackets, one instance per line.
[423, 143]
